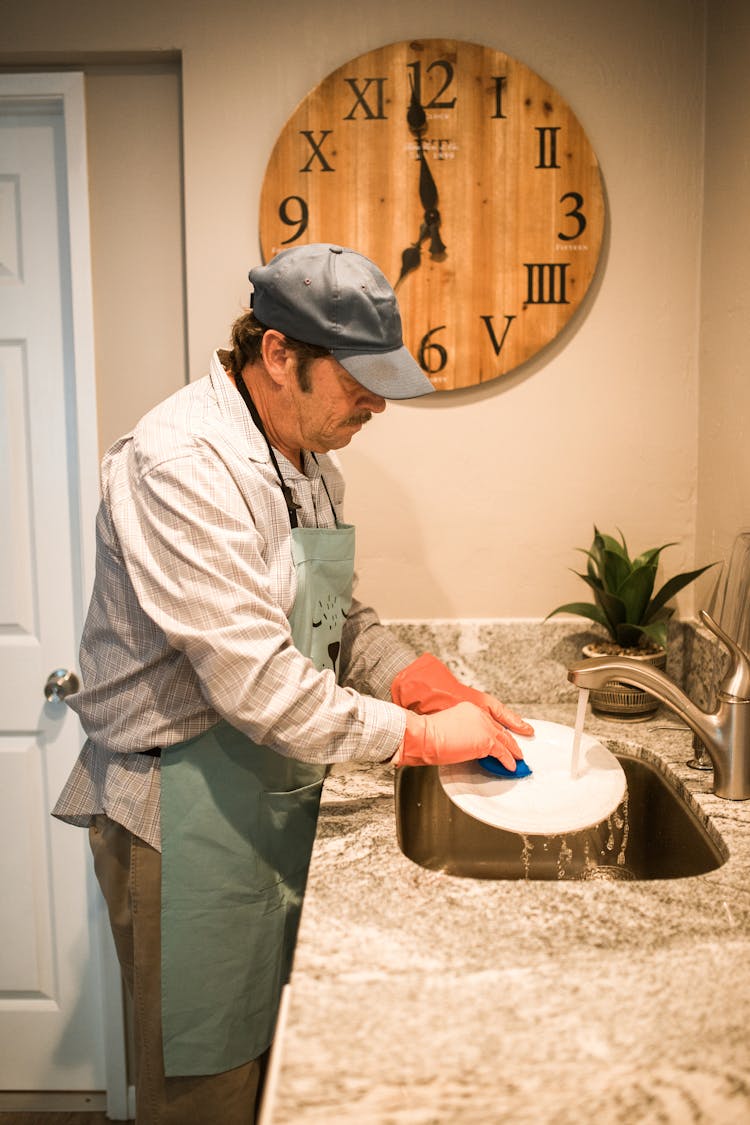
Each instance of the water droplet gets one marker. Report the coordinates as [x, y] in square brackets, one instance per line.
[626, 829]
[564, 857]
[526, 851]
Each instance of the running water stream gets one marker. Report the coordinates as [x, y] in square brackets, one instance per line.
[575, 761]
[589, 853]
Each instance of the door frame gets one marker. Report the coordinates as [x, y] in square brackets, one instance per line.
[65, 92]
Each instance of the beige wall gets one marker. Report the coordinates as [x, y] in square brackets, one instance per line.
[724, 433]
[135, 169]
[471, 504]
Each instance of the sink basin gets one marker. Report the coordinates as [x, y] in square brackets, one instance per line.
[653, 834]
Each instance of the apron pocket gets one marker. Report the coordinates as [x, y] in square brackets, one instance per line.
[287, 823]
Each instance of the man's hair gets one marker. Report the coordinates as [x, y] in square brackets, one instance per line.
[247, 334]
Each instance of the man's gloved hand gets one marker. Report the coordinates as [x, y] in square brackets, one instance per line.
[457, 734]
[427, 686]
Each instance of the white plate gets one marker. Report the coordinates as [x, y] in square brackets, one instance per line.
[551, 801]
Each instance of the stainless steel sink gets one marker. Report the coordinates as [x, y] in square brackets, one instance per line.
[653, 834]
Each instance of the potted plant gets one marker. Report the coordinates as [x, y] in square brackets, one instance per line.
[633, 616]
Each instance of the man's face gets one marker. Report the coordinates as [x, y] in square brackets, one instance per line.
[335, 407]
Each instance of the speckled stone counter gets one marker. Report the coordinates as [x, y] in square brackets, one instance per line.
[420, 998]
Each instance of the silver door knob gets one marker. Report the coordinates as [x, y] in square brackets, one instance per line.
[60, 683]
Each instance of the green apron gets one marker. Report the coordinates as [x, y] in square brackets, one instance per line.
[237, 826]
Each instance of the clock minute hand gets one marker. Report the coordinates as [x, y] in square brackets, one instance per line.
[416, 119]
[428, 194]
[411, 258]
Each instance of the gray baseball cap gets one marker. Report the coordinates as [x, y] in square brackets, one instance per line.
[338, 299]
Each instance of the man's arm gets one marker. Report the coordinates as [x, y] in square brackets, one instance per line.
[196, 561]
[371, 655]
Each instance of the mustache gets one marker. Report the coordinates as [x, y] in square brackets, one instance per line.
[359, 419]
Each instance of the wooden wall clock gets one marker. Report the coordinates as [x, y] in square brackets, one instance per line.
[469, 181]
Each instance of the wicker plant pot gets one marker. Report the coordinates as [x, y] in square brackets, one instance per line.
[621, 701]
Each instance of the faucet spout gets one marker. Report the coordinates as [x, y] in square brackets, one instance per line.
[724, 732]
[600, 670]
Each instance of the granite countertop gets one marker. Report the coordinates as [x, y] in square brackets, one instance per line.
[420, 998]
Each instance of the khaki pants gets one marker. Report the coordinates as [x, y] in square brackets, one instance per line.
[129, 874]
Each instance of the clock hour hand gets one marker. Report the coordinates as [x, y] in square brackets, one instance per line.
[410, 260]
[438, 251]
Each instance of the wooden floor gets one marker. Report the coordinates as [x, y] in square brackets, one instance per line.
[56, 1119]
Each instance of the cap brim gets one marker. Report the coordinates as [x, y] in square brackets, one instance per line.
[392, 375]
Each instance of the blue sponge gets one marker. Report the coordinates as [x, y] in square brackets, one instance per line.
[492, 765]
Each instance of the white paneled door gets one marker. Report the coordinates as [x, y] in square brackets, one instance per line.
[53, 973]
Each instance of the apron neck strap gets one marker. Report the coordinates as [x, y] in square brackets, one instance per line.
[291, 505]
[325, 486]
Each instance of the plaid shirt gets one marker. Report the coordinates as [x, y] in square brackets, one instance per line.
[188, 621]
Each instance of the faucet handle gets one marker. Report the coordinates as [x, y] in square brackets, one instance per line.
[736, 682]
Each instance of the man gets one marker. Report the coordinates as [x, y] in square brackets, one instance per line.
[225, 664]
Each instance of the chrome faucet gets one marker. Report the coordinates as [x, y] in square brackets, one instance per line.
[725, 732]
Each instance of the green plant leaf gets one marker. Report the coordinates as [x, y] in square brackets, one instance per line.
[672, 587]
[636, 592]
[655, 632]
[624, 544]
[611, 559]
[609, 543]
[609, 610]
[583, 609]
[662, 614]
[613, 608]
[627, 635]
[616, 568]
[652, 555]
[591, 580]
[595, 552]
[590, 577]
[593, 562]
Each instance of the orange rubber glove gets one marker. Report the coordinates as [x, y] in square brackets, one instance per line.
[457, 734]
[427, 686]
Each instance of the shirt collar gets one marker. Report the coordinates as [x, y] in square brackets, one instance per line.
[234, 410]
